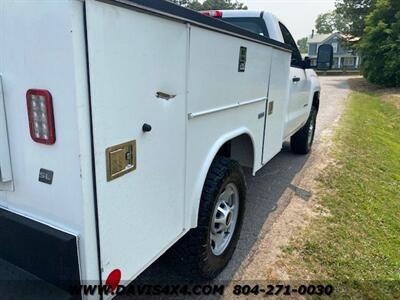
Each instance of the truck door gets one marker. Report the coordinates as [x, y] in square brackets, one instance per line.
[297, 97]
[298, 100]
[137, 67]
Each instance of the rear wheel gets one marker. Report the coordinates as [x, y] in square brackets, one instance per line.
[301, 142]
[207, 249]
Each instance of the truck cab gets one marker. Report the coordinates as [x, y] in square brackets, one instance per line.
[304, 86]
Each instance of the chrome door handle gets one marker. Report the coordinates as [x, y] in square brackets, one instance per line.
[296, 79]
[165, 96]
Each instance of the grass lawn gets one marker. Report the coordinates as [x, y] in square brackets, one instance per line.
[356, 245]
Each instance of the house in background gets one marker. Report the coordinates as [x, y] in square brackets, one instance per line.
[344, 58]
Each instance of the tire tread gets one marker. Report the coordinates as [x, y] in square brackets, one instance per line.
[191, 250]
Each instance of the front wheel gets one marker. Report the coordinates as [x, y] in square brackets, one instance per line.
[301, 142]
[207, 249]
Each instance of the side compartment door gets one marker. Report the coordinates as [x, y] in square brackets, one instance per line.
[277, 104]
[133, 57]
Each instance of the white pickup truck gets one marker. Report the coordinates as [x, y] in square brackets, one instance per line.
[124, 128]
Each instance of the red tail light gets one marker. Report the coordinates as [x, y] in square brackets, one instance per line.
[212, 13]
[41, 117]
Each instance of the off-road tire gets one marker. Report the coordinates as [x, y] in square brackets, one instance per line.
[194, 250]
[300, 142]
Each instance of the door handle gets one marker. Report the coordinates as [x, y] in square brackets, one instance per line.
[165, 96]
[296, 79]
[146, 127]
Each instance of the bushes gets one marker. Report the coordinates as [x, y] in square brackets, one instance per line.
[380, 45]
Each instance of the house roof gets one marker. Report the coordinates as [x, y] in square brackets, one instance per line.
[319, 38]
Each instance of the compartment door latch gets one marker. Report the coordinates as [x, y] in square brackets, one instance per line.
[121, 159]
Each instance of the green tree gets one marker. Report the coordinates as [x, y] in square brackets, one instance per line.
[351, 15]
[211, 4]
[380, 45]
[325, 23]
[302, 43]
[181, 2]
[347, 18]
[192, 4]
[223, 4]
[195, 5]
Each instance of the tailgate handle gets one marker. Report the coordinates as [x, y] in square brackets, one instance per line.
[165, 96]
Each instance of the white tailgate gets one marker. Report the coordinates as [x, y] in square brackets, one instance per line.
[42, 46]
[132, 56]
[38, 50]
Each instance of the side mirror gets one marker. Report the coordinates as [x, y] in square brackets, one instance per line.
[325, 57]
[307, 63]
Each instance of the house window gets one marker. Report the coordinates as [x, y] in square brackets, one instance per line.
[312, 49]
[348, 61]
[335, 63]
[313, 62]
[335, 47]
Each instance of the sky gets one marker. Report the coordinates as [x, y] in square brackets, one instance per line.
[298, 15]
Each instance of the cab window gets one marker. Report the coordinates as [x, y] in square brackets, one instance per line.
[256, 25]
[287, 37]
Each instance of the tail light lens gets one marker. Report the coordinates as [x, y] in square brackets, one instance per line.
[41, 117]
[212, 13]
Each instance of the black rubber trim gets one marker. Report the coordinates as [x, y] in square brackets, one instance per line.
[266, 114]
[96, 209]
[48, 253]
[174, 11]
